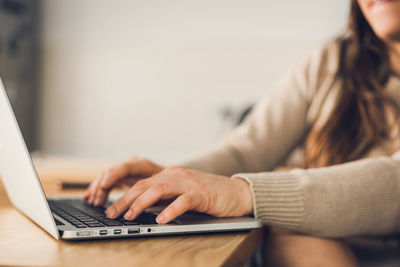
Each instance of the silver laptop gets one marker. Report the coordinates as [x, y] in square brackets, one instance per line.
[74, 218]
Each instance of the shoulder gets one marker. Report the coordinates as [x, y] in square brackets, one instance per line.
[325, 59]
[322, 65]
[319, 67]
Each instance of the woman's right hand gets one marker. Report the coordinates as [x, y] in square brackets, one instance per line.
[127, 173]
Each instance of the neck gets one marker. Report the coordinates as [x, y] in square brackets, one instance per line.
[394, 57]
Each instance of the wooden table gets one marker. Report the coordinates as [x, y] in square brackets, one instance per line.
[23, 243]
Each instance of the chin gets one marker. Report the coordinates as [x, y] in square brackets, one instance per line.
[387, 28]
[384, 17]
[391, 35]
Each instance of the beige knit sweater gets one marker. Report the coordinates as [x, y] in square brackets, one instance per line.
[351, 199]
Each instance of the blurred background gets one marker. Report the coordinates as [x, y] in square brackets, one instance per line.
[159, 79]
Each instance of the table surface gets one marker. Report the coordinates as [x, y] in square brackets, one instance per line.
[24, 243]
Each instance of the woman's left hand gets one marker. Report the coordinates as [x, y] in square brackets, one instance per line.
[216, 195]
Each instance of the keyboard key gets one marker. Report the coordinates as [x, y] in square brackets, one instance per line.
[111, 223]
[88, 220]
[129, 222]
[95, 224]
[80, 225]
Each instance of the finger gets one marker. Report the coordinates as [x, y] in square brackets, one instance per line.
[136, 168]
[98, 194]
[129, 173]
[114, 175]
[182, 204]
[101, 193]
[145, 200]
[123, 203]
[87, 192]
[91, 189]
[129, 182]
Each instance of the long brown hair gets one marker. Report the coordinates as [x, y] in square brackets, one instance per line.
[358, 121]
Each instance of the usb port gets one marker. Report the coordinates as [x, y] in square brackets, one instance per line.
[103, 232]
[117, 231]
[134, 231]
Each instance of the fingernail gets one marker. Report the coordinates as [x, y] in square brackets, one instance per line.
[160, 219]
[111, 212]
[128, 215]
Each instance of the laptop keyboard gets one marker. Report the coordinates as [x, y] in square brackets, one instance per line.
[82, 215]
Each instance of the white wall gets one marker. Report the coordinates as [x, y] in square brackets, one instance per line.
[150, 77]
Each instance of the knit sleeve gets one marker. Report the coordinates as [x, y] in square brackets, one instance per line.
[356, 198]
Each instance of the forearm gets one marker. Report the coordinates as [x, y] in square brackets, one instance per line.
[357, 198]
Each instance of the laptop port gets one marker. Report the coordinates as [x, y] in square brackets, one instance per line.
[103, 232]
[117, 231]
[84, 233]
[134, 231]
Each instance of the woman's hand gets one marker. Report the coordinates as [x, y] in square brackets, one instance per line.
[127, 173]
[213, 194]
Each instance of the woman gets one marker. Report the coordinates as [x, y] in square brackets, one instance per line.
[341, 106]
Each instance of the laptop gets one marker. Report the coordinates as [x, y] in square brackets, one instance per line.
[73, 218]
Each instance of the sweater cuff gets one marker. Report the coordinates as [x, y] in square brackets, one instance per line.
[277, 198]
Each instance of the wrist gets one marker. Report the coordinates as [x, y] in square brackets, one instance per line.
[246, 197]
